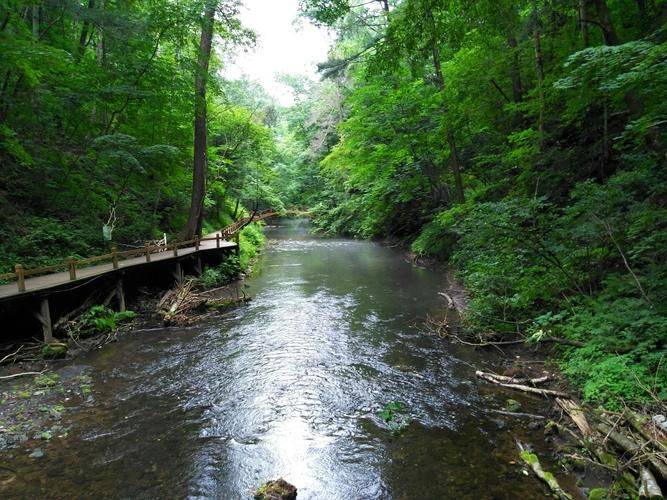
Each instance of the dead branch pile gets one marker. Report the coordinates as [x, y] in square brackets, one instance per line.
[638, 442]
[184, 304]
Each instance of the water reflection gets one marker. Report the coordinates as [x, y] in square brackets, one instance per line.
[289, 386]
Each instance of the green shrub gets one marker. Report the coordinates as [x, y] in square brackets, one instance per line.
[228, 270]
[252, 240]
[102, 320]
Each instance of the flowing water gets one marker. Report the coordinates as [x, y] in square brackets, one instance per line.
[290, 386]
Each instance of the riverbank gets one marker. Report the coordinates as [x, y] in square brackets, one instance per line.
[626, 463]
[613, 454]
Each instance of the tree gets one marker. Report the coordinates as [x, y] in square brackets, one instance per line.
[196, 214]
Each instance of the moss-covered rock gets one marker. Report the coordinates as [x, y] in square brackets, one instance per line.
[54, 350]
[276, 490]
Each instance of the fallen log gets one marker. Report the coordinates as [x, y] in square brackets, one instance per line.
[548, 478]
[638, 425]
[525, 388]
[519, 414]
[629, 445]
[577, 415]
[514, 380]
[649, 486]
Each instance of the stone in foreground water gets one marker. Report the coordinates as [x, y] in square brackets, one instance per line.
[276, 490]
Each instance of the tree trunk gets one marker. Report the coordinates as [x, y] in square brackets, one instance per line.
[83, 37]
[515, 70]
[608, 31]
[196, 215]
[456, 167]
[583, 22]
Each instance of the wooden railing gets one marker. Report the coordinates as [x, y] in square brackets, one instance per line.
[20, 273]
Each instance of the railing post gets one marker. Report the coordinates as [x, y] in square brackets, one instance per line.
[197, 243]
[148, 253]
[175, 249]
[217, 240]
[71, 265]
[114, 257]
[20, 277]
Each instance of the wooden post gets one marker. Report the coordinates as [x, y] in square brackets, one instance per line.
[175, 249]
[237, 238]
[177, 272]
[148, 253]
[120, 295]
[217, 240]
[71, 264]
[44, 317]
[197, 243]
[20, 277]
[114, 257]
[198, 267]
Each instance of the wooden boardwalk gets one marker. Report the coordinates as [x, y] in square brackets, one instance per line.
[77, 272]
[55, 280]
[35, 286]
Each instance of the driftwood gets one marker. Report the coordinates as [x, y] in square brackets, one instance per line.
[11, 355]
[519, 414]
[577, 415]
[534, 463]
[638, 425]
[649, 486]
[22, 374]
[184, 305]
[490, 377]
[514, 380]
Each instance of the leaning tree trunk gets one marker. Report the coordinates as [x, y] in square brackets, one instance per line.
[196, 214]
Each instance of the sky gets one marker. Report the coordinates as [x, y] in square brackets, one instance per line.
[282, 46]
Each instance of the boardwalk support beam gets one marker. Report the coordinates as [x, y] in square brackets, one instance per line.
[44, 317]
[177, 272]
[120, 295]
[198, 266]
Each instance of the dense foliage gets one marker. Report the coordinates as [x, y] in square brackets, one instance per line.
[522, 140]
[96, 126]
[550, 115]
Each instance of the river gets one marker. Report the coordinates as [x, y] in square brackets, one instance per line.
[289, 385]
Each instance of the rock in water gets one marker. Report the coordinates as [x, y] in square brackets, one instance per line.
[276, 490]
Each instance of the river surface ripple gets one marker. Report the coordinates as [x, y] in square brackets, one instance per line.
[290, 386]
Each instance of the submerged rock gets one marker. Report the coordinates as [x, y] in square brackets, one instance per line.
[276, 490]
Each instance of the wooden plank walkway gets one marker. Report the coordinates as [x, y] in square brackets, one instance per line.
[48, 281]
